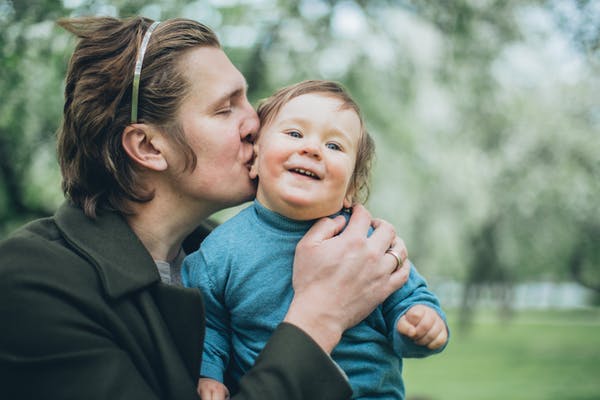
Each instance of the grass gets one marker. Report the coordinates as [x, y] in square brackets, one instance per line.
[536, 355]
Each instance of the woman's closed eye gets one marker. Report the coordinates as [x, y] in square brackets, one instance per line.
[224, 111]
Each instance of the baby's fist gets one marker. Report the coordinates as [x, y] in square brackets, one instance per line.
[424, 326]
[210, 389]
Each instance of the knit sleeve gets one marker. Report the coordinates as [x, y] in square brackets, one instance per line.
[415, 291]
[199, 272]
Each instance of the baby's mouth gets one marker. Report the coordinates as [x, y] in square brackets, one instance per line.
[305, 172]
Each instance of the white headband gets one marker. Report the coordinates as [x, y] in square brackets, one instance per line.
[135, 90]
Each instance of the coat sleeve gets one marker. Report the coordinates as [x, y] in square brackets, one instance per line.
[292, 366]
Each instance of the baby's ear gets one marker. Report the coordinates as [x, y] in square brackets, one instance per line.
[254, 167]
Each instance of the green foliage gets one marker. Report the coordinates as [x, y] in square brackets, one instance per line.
[31, 83]
[485, 115]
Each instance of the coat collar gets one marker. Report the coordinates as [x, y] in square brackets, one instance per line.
[122, 261]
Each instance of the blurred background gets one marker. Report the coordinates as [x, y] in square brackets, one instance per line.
[486, 116]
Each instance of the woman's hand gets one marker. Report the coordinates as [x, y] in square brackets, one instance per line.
[339, 280]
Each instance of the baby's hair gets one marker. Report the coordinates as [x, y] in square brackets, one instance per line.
[268, 108]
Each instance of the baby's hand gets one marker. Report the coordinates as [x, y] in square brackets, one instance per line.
[210, 389]
[424, 326]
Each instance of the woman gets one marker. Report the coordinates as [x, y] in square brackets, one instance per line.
[157, 135]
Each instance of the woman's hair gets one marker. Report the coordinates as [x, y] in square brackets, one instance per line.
[270, 107]
[97, 173]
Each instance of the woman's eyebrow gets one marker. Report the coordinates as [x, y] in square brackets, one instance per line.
[238, 91]
[224, 98]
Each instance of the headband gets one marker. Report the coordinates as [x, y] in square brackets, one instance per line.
[135, 90]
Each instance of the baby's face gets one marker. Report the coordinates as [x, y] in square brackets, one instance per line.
[305, 157]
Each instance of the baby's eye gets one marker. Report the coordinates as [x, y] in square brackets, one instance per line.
[333, 146]
[294, 134]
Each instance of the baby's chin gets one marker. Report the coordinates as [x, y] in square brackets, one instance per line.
[302, 212]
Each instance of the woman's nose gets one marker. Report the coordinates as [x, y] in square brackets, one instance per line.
[250, 124]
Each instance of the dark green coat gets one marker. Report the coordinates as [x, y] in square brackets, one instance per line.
[84, 316]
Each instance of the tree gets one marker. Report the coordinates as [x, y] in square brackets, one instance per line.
[30, 81]
[485, 115]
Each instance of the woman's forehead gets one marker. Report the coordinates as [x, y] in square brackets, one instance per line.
[212, 75]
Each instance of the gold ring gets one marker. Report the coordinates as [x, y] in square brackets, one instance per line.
[396, 256]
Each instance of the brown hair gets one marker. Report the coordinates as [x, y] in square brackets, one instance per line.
[269, 107]
[97, 173]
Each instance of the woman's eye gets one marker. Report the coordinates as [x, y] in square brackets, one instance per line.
[333, 146]
[224, 111]
[294, 134]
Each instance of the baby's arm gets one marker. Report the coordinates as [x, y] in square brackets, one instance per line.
[424, 326]
[198, 272]
[401, 314]
[210, 389]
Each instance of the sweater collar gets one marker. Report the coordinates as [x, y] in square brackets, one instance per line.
[122, 261]
[282, 223]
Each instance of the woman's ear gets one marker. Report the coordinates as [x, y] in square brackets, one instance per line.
[254, 167]
[145, 146]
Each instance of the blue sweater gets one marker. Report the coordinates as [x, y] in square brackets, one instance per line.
[244, 269]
